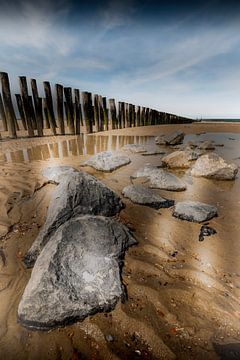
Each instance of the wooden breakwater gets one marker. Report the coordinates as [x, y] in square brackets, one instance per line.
[63, 110]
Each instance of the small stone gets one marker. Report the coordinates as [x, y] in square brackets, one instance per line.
[194, 211]
[206, 231]
[174, 138]
[180, 159]
[213, 166]
[142, 195]
[164, 180]
[146, 171]
[138, 352]
[107, 161]
[153, 152]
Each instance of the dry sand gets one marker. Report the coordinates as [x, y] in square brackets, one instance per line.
[178, 306]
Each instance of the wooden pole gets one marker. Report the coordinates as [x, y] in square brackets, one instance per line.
[25, 101]
[87, 111]
[8, 105]
[38, 107]
[77, 111]
[32, 112]
[138, 116]
[133, 116]
[96, 113]
[45, 109]
[60, 114]
[70, 107]
[3, 115]
[112, 111]
[120, 120]
[105, 112]
[101, 113]
[49, 106]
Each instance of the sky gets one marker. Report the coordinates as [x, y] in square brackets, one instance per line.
[181, 57]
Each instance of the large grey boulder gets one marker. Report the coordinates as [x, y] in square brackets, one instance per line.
[174, 138]
[142, 195]
[146, 171]
[194, 211]
[134, 148]
[78, 273]
[78, 193]
[180, 159]
[57, 173]
[164, 180]
[107, 161]
[213, 166]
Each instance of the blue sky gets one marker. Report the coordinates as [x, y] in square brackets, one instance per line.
[177, 56]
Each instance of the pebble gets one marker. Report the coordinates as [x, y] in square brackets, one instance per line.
[109, 338]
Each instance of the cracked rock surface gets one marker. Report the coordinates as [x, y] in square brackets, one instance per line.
[77, 273]
[77, 193]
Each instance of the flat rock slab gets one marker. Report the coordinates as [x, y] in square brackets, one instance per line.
[180, 159]
[213, 166]
[161, 179]
[153, 152]
[57, 173]
[107, 161]
[77, 274]
[134, 148]
[194, 211]
[207, 145]
[146, 171]
[142, 195]
[159, 140]
[78, 193]
[174, 138]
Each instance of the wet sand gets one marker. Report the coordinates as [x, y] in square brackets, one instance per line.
[178, 306]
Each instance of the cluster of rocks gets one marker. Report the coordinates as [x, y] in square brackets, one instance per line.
[78, 253]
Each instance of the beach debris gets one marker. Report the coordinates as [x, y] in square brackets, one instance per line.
[159, 140]
[56, 173]
[142, 195]
[174, 138]
[107, 161]
[207, 145]
[78, 193]
[213, 166]
[206, 231]
[146, 171]
[180, 159]
[153, 152]
[165, 180]
[134, 148]
[194, 211]
[77, 274]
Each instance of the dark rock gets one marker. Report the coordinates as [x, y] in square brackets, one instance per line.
[229, 351]
[78, 273]
[194, 211]
[174, 138]
[78, 193]
[206, 231]
[142, 195]
[107, 161]
[153, 152]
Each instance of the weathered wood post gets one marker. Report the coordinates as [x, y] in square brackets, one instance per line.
[38, 107]
[138, 116]
[8, 105]
[70, 112]
[101, 113]
[105, 112]
[87, 109]
[147, 116]
[3, 115]
[123, 115]
[142, 114]
[120, 115]
[126, 115]
[49, 104]
[32, 112]
[26, 107]
[96, 113]
[45, 110]
[133, 116]
[78, 112]
[113, 114]
[60, 113]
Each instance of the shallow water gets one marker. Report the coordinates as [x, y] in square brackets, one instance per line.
[178, 305]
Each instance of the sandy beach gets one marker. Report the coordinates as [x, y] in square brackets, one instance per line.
[183, 295]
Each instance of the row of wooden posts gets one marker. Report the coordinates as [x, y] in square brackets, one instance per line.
[73, 110]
